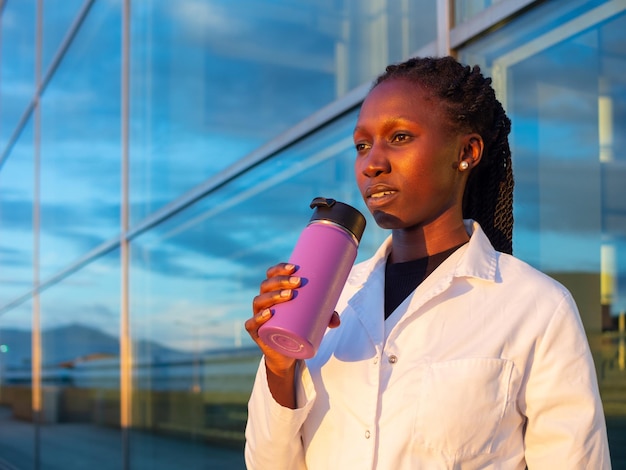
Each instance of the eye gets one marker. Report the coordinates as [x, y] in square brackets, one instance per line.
[360, 146]
[400, 137]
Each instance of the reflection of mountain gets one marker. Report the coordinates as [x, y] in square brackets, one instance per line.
[69, 343]
[16, 346]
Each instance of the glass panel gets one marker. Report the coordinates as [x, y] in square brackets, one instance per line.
[561, 72]
[80, 323]
[58, 16]
[212, 81]
[17, 432]
[193, 280]
[80, 144]
[17, 70]
[466, 9]
[16, 219]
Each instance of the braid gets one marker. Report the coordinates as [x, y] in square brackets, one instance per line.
[471, 105]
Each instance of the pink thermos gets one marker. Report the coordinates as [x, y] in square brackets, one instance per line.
[324, 255]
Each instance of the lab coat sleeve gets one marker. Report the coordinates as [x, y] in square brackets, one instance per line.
[273, 432]
[566, 426]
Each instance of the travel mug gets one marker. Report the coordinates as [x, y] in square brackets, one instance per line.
[324, 255]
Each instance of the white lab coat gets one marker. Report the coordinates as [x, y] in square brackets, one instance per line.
[485, 366]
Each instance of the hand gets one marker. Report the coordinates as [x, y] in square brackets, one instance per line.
[275, 289]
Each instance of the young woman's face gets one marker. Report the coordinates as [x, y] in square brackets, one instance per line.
[407, 157]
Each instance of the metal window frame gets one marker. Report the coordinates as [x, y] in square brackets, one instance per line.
[480, 24]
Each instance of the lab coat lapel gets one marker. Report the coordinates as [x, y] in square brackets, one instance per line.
[368, 304]
[368, 279]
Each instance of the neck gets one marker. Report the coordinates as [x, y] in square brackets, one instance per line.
[419, 242]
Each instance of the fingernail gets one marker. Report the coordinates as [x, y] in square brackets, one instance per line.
[266, 313]
[289, 267]
[294, 280]
[285, 293]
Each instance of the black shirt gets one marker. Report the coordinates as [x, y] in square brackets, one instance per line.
[403, 278]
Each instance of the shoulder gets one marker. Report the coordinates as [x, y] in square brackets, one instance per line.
[507, 271]
[513, 271]
[535, 295]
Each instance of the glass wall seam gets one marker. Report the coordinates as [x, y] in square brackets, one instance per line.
[67, 41]
[36, 313]
[125, 339]
[16, 133]
[444, 20]
[487, 19]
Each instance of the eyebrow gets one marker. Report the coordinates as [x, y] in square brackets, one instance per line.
[390, 122]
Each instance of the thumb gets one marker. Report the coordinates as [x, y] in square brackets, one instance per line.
[335, 321]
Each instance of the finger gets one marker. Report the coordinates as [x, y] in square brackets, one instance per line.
[268, 299]
[278, 283]
[253, 324]
[281, 269]
[335, 320]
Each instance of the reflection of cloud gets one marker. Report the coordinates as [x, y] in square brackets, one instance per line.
[201, 17]
[68, 230]
[167, 260]
[81, 97]
[556, 251]
[14, 258]
[80, 218]
[21, 91]
[103, 311]
[190, 324]
[19, 317]
[17, 214]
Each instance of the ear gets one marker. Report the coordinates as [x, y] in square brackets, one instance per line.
[471, 150]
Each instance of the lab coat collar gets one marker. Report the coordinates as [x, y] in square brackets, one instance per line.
[478, 258]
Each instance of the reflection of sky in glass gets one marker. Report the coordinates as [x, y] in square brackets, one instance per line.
[203, 267]
[17, 73]
[15, 335]
[58, 18]
[80, 144]
[16, 220]
[80, 315]
[211, 81]
[570, 198]
[208, 86]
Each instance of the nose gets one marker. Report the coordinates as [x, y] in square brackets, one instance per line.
[375, 162]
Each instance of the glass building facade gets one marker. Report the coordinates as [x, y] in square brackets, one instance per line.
[157, 156]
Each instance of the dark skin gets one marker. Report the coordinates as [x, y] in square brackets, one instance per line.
[411, 169]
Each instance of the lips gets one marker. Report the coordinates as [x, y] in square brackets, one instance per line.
[379, 195]
[379, 191]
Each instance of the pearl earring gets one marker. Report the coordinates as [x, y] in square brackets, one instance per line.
[463, 165]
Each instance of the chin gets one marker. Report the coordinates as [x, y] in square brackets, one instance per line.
[387, 221]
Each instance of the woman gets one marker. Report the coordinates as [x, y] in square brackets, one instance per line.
[450, 352]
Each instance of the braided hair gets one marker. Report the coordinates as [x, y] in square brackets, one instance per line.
[471, 106]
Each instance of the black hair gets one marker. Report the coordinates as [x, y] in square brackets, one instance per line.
[471, 105]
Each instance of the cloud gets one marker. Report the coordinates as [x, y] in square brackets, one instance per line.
[200, 17]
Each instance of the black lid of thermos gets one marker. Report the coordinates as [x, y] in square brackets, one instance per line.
[338, 213]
